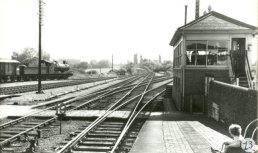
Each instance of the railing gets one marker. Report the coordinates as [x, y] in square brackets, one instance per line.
[240, 66]
[248, 73]
[237, 58]
[231, 70]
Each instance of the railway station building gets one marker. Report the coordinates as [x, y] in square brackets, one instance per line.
[213, 44]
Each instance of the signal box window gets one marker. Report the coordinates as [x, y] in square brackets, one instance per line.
[196, 52]
[212, 52]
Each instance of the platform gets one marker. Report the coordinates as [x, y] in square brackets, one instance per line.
[172, 131]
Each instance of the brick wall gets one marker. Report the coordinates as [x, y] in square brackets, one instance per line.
[177, 87]
[236, 104]
[195, 79]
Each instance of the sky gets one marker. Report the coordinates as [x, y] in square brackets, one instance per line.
[96, 29]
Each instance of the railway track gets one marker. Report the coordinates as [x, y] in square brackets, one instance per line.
[11, 137]
[109, 140]
[130, 90]
[34, 87]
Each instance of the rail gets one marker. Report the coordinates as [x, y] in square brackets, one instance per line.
[111, 92]
[10, 123]
[74, 141]
[133, 119]
[131, 116]
[26, 131]
[54, 118]
[33, 87]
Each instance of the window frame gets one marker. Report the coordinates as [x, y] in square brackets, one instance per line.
[206, 53]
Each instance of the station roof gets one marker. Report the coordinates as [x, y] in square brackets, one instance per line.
[8, 61]
[212, 21]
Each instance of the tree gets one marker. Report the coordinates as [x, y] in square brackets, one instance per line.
[26, 56]
[44, 56]
[93, 64]
[81, 65]
[29, 56]
[129, 68]
[104, 63]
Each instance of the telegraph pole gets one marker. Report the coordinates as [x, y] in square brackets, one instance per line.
[39, 60]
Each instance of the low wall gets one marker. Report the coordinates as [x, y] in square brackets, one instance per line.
[234, 104]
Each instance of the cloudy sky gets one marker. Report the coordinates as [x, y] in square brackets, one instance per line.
[96, 29]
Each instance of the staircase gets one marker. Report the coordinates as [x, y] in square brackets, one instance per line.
[241, 68]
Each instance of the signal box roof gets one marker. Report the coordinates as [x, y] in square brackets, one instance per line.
[213, 22]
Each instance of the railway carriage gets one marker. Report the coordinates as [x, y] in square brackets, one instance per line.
[8, 69]
[13, 70]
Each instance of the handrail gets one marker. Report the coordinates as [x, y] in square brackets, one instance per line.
[254, 132]
[248, 75]
[248, 64]
[231, 61]
[249, 125]
[248, 72]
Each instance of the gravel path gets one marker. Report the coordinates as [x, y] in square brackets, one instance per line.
[13, 84]
[50, 136]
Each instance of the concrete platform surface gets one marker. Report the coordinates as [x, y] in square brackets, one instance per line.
[177, 132]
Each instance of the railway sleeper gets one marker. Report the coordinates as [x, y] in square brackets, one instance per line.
[125, 148]
[9, 132]
[5, 136]
[105, 126]
[99, 138]
[16, 129]
[129, 139]
[110, 128]
[107, 131]
[96, 143]
[94, 134]
[9, 150]
[113, 123]
[92, 148]
[23, 126]
[134, 136]
[32, 123]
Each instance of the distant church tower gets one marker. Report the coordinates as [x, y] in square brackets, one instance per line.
[141, 59]
[160, 59]
[135, 59]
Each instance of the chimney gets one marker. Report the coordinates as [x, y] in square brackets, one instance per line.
[197, 6]
[209, 8]
[185, 14]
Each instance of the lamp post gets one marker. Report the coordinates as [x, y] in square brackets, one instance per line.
[39, 60]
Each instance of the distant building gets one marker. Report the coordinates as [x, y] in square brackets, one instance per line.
[135, 59]
[160, 59]
[141, 60]
[155, 61]
[212, 44]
